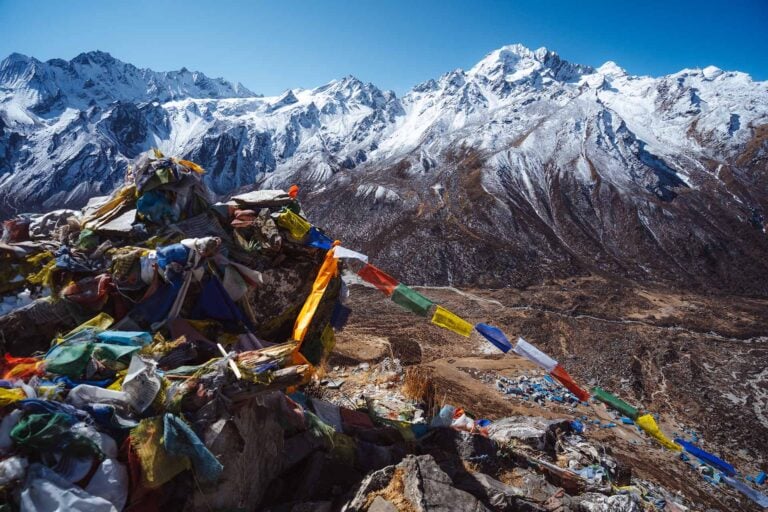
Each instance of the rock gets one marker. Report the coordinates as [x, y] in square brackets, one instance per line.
[299, 447]
[594, 502]
[458, 442]
[321, 477]
[415, 484]
[370, 457]
[333, 383]
[381, 505]
[539, 433]
[535, 486]
[495, 494]
[32, 327]
[251, 443]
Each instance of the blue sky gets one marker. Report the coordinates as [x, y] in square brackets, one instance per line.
[271, 46]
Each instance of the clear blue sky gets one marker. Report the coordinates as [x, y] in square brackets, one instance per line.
[271, 46]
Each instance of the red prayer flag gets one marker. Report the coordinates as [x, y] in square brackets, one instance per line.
[378, 278]
[562, 376]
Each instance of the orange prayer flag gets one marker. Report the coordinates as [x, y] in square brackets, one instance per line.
[328, 269]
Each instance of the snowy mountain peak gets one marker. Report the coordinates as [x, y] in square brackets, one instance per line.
[516, 62]
[712, 72]
[611, 70]
[98, 79]
[96, 57]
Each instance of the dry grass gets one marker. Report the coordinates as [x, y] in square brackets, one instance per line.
[394, 493]
[418, 385]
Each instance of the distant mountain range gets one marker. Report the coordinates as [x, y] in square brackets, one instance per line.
[523, 167]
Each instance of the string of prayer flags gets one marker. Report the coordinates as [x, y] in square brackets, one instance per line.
[495, 336]
[318, 239]
[447, 320]
[378, 278]
[648, 424]
[297, 226]
[411, 300]
[707, 457]
[343, 252]
[567, 381]
[536, 356]
[328, 269]
[615, 402]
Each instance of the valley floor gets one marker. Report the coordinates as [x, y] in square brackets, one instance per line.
[698, 361]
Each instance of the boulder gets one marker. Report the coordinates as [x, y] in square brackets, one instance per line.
[416, 484]
[251, 443]
[467, 446]
[538, 433]
[595, 502]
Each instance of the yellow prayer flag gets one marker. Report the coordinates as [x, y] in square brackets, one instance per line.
[328, 338]
[452, 322]
[295, 224]
[648, 424]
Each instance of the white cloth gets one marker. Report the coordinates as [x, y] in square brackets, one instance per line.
[110, 482]
[528, 351]
[45, 491]
[85, 394]
[12, 468]
[343, 252]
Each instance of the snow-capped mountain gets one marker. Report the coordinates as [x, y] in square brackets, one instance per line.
[524, 166]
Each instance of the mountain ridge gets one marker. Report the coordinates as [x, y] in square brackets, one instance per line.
[586, 169]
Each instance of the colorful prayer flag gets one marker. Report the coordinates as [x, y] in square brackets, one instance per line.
[647, 423]
[451, 321]
[343, 252]
[528, 351]
[378, 278]
[411, 300]
[297, 226]
[615, 402]
[566, 380]
[319, 239]
[328, 269]
[495, 336]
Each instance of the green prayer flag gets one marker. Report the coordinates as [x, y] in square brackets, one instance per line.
[615, 402]
[411, 300]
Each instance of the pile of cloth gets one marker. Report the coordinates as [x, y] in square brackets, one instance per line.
[133, 326]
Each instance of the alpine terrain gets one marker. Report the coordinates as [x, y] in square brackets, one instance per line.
[523, 167]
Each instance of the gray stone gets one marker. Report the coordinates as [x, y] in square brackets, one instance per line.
[539, 433]
[425, 486]
[250, 446]
[463, 444]
[379, 504]
[496, 494]
[594, 502]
